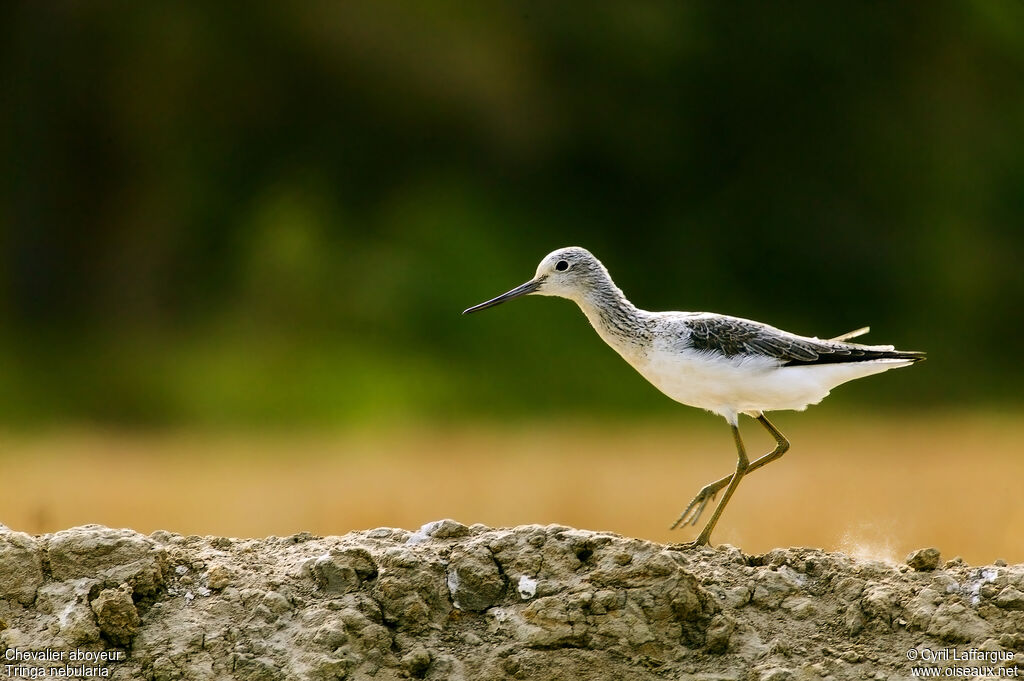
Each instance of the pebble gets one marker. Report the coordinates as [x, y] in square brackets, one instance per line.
[924, 559]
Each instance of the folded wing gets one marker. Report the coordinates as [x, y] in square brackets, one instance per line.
[732, 336]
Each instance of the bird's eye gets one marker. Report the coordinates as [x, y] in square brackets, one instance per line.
[562, 265]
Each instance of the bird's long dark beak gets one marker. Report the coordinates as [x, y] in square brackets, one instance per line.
[522, 290]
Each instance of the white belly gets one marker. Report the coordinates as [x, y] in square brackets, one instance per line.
[731, 386]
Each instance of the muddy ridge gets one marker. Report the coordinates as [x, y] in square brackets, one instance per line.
[449, 601]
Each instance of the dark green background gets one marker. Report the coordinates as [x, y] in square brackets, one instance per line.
[273, 213]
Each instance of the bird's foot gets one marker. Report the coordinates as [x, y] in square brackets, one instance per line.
[696, 507]
[698, 543]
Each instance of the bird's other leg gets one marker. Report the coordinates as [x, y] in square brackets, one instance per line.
[781, 444]
[708, 492]
[742, 465]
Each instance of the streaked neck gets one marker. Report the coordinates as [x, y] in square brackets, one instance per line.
[619, 323]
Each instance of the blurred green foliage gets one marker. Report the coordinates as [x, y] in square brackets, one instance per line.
[217, 213]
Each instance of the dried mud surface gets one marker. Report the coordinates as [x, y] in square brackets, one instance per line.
[454, 602]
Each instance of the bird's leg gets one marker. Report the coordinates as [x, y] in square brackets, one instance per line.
[742, 464]
[781, 444]
[709, 491]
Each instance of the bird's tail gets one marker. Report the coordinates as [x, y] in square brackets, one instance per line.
[881, 351]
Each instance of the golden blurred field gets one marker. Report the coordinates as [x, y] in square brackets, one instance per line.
[872, 486]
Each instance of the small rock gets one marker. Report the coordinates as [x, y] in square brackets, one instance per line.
[777, 674]
[164, 669]
[1011, 641]
[548, 623]
[921, 608]
[78, 624]
[719, 632]
[413, 588]
[85, 551]
[218, 577]
[145, 577]
[855, 619]
[802, 608]
[955, 623]
[20, 567]
[623, 558]
[924, 559]
[327, 669]
[1010, 598]
[990, 644]
[772, 586]
[988, 591]
[945, 583]
[850, 588]
[332, 634]
[527, 587]
[449, 529]
[116, 615]
[880, 603]
[474, 579]
[222, 543]
[343, 571]
[439, 529]
[416, 662]
[732, 597]
[277, 602]
[256, 669]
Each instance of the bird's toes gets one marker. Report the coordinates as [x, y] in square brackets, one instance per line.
[684, 518]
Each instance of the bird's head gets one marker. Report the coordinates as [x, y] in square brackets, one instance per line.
[567, 273]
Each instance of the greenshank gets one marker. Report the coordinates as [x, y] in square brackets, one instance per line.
[726, 365]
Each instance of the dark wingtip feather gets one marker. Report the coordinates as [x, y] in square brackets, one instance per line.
[857, 355]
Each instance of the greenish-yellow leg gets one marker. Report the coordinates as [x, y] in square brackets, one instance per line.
[709, 491]
[742, 464]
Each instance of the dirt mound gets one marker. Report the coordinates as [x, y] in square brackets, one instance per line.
[456, 602]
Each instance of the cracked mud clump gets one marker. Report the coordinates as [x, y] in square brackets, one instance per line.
[454, 602]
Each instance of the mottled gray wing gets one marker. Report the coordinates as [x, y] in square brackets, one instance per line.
[732, 336]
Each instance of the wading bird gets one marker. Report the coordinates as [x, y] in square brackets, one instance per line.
[726, 365]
